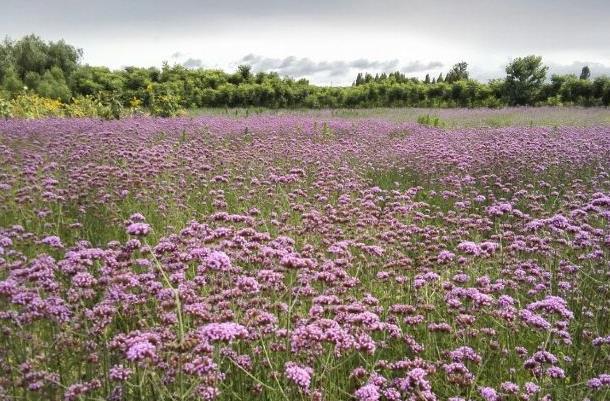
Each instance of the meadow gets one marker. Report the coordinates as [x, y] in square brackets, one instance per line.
[448, 117]
[331, 255]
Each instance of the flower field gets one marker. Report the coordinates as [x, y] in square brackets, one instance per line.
[293, 257]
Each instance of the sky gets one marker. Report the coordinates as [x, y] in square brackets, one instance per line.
[325, 41]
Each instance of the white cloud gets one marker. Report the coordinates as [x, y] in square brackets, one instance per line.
[306, 67]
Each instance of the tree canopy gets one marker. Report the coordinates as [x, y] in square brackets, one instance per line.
[54, 70]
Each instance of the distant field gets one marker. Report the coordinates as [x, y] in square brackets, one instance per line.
[329, 255]
[453, 118]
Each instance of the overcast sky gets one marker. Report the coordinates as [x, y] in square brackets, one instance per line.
[327, 41]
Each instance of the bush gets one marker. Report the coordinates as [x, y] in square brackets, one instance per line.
[430, 121]
[6, 109]
[85, 106]
[30, 105]
[166, 105]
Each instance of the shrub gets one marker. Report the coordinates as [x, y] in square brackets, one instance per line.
[30, 105]
[6, 109]
[85, 106]
[166, 105]
[430, 121]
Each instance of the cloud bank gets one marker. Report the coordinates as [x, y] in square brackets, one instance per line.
[301, 67]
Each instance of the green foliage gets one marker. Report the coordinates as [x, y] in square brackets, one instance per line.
[11, 83]
[430, 121]
[6, 109]
[53, 85]
[86, 106]
[52, 70]
[245, 71]
[113, 105]
[31, 105]
[524, 79]
[33, 55]
[459, 72]
[165, 105]
[601, 90]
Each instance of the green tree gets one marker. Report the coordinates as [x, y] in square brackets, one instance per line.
[459, 72]
[524, 79]
[64, 56]
[7, 62]
[11, 82]
[30, 56]
[245, 71]
[601, 90]
[585, 73]
[53, 85]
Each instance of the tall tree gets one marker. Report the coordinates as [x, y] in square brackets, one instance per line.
[585, 73]
[7, 62]
[245, 71]
[459, 72]
[524, 79]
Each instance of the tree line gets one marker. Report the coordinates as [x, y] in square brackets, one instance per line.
[54, 70]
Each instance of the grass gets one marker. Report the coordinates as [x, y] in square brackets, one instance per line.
[452, 118]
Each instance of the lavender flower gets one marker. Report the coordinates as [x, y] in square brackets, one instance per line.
[138, 229]
[299, 375]
[228, 331]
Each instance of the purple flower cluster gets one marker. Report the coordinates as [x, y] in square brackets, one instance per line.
[299, 375]
[138, 229]
[228, 331]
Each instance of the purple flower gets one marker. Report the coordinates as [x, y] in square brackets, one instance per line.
[469, 248]
[445, 256]
[228, 331]
[141, 350]
[218, 260]
[552, 304]
[138, 229]
[531, 388]
[464, 353]
[368, 392]
[5, 242]
[489, 394]
[555, 372]
[52, 241]
[201, 366]
[509, 387]
[208, 393]
[119, 373]
[300, 375]
[137, 218]
[596, 383]
[248, 284]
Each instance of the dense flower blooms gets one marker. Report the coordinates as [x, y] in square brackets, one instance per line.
[218, 260]
[368, 392]
[119, 373]
[489, 394]
[228, 331]
[139, 229]
[141, 350]
[52, 241]
[402, 262]
[299, 375]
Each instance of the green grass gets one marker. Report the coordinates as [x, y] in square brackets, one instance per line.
[451, 118]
